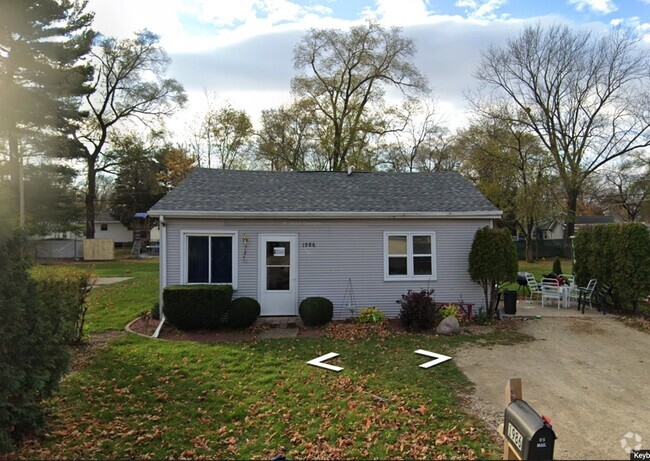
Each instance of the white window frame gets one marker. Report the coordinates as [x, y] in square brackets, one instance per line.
[185, 234]
[409, 256]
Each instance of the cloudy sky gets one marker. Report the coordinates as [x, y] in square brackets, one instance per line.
[241, 50]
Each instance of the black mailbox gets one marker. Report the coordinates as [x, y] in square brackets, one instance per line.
[529, 433]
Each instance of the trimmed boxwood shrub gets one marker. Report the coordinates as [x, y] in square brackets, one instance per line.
[190, 307]
[316, 311]
[243, 312]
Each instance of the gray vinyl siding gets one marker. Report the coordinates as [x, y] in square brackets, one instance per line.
[344, 250]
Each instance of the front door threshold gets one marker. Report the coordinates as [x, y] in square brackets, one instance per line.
[284, 321]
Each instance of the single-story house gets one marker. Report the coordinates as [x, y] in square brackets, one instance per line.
[280, 237]
[553, 229]
[107, 227]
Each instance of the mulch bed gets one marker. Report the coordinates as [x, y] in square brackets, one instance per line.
[337, 329]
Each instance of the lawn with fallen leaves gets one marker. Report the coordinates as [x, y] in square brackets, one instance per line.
[154, 399]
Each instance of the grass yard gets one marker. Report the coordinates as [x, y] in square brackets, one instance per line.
[143, 398]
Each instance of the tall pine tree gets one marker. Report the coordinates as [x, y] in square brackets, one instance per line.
[42, 78]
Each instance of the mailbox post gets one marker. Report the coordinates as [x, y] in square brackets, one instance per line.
[527, 434]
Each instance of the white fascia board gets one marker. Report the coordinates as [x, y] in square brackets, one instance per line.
[326, 215]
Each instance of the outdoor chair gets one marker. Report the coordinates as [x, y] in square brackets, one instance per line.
[597, 297]
[551, 290]
[533, 286]
[584, 292]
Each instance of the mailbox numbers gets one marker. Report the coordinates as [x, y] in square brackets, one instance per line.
[309, 244]
[515, 436]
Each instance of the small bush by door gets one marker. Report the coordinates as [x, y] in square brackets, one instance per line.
[243, 312]
[316, 311]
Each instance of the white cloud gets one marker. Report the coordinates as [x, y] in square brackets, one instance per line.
[595, 6]
[398, 12]
[482, 9]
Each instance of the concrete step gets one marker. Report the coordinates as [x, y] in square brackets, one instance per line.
[292, 321]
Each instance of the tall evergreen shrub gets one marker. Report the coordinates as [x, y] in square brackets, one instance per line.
[492, 260]
[618, 255]
[33, 351]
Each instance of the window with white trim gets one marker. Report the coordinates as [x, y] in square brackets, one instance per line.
[409, 256]
[210, 258]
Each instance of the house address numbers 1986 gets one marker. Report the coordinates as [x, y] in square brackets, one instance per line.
[309, 244]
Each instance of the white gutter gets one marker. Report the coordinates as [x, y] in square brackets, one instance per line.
[328, 215]
[162, 273]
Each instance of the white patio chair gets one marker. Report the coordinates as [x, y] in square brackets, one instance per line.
[551, 290]
[533, 286]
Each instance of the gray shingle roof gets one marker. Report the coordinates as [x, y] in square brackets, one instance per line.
[232, 192]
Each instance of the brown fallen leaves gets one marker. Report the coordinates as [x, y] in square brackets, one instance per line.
[350, 330]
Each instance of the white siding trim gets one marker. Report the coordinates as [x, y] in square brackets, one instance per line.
[162, 262]
[328, 214]
[409, 257]
[210, 233]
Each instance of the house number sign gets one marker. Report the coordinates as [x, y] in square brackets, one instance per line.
[309, 244]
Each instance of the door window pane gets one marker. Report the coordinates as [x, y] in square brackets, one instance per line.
[197, 259]
[278, 253]
[221, 253]
[277, 278]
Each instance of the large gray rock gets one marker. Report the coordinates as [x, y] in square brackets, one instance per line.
[448, 327]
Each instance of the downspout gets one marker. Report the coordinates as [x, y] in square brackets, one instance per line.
[162, 273]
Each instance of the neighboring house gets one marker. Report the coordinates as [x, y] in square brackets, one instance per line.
[107, 227]
[280, 237]
[553, 229]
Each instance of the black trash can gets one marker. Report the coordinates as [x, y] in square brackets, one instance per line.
[510, 302]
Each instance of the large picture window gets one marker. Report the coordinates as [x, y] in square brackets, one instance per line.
[210, 258]
[409, 256]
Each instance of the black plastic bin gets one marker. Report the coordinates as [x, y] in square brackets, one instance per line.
[510, 302]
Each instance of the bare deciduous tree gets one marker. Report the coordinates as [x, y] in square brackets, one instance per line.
[585, 96]
[343, 75]
[129, 86]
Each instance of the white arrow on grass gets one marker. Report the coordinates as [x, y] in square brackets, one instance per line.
[439, 358]
[318, 362]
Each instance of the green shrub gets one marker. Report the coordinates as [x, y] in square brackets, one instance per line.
[243, 312]
[370, 315]
[557, 266]
[65, 291]
[316, 311]
[450, 310]
[482, 318]
[33, 350]
[492, 261]
[190, 307]
[418, 310]
[155, 311]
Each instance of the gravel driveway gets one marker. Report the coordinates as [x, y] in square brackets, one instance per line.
[590, 376]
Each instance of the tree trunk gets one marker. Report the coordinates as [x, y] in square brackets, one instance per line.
[14, 170]
[530, 257]
[90, 200]
[572, 205]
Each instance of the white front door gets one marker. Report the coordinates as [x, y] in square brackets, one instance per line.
[278, 274]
